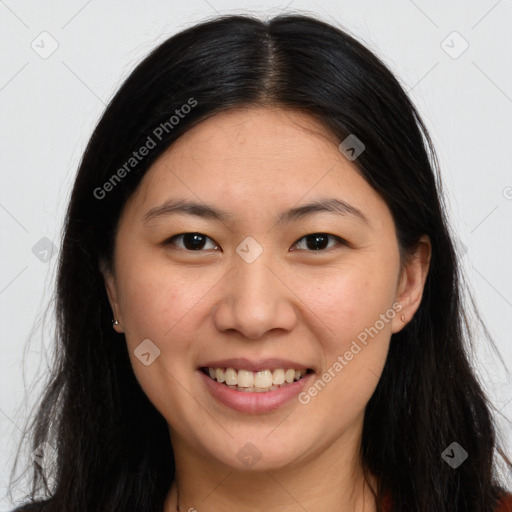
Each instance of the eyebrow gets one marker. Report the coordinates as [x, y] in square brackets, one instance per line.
[188, 207]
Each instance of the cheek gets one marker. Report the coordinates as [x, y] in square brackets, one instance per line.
[160, 301]
[349, 299]
[163, 304]
[348, 306]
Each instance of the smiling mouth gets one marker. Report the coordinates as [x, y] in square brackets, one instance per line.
[255, 382]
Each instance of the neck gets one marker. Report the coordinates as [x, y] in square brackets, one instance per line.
[330, 480]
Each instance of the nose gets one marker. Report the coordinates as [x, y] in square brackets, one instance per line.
[255, 300]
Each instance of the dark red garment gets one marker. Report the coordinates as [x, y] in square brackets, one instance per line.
[505, 505]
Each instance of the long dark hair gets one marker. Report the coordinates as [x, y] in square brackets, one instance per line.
[113, 451]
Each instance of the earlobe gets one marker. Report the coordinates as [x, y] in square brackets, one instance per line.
[412, 282]
[111, 289]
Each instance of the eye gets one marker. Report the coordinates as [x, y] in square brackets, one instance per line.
[191, 241]
[197, 241]
[318, 241]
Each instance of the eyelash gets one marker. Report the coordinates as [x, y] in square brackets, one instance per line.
[169, 241]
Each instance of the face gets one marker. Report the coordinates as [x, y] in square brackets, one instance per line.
[254, 280]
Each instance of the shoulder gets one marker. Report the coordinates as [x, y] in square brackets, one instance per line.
[505, 504]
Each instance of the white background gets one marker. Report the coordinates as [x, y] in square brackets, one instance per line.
[48, 108]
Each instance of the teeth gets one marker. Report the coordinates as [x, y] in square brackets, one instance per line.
[289, 376]
[265, 380]
[278, 376]
[231, 377]
[220, 375]
[245, 378]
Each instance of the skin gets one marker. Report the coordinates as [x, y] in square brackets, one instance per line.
[292, 302]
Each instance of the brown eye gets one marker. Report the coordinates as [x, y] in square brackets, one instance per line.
[191, 241]
[317, 241]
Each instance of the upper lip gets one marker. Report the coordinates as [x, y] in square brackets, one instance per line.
[255, 365]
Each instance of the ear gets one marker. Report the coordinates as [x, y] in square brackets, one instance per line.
[412, 282]
[111, 288]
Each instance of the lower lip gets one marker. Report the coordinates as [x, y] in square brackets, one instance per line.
[255, 402]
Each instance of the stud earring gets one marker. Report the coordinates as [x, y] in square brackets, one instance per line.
[115, 322]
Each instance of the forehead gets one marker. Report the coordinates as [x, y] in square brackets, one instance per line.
[250, 144]
[256, 158]
[259, 127]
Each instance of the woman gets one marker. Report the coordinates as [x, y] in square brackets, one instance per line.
[259, 304]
